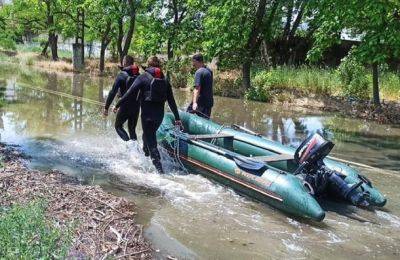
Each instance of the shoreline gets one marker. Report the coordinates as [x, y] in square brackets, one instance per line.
[103, 225]
[388, 113]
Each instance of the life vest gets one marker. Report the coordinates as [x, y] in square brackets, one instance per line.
[157, 90]
[129, 79]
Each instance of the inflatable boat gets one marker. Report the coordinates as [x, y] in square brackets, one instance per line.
[288, 179]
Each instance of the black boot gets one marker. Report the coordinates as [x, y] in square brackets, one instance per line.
[146, 151]
[156, 159]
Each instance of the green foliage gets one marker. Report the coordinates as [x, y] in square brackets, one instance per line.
[390, 85]
[375, 23]
[353, 78]
[26, 233]
[180, 72]
[258, 93]
[261, 87]
[228, 84]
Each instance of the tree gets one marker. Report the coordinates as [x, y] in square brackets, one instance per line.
[236, 28]
[294, 14]
[7, 35]
[50, 8]
[127, 12]
[376, 23]
[101, 21]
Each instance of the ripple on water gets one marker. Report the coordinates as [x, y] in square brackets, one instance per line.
[291, 246]
[393, 220]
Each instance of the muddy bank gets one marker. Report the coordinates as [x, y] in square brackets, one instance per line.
[63, 65]
[388, 113]
[103, 225]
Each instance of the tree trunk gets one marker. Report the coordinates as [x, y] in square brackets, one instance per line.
[105, 41]
[120, 39]
[45, 47]
[90, 49]
[53, 38]
[375, 85]
[124, 44]
[246, 66]
[253, 42]
[102, 58]
[170, 51]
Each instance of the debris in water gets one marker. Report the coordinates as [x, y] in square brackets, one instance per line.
[105, 224]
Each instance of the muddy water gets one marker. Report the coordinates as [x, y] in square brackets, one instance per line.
[186, 215]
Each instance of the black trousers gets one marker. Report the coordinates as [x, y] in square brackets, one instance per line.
[130, 115]
[200, 111]
[150, 127]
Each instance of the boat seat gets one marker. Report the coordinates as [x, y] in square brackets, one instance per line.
[274, 158]
[209, 136]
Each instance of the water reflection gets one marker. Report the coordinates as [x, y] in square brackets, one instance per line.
[41, 111]
[214, 222]
[78, 80]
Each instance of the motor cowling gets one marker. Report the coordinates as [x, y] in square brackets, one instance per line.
[313, 149]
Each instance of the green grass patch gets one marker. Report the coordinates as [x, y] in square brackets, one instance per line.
[350, 80]
[26, 233]
[6, 58]
[28, 48]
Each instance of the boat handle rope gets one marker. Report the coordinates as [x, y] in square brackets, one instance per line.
[218, 132]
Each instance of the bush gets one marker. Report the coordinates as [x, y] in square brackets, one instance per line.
[261, 86]
[29, 61]
[26, 233]
[180, 71]
[353, 79]
[390, 86]
[228, 84]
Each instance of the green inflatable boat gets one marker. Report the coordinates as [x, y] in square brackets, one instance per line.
[283, 177]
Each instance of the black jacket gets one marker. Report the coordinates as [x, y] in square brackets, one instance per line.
[150, 110]
[120, 85]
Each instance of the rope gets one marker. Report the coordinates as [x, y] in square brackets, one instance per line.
[177, 150]
[218, 132]
[62, 94]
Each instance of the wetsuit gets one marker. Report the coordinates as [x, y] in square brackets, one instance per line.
[130, 110]
[152, 113]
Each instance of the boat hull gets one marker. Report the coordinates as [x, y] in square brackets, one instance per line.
[275, 187]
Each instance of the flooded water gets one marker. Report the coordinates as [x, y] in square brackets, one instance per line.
[186, 215]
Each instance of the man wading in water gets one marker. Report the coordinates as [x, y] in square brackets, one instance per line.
[154, 91]
[130, 110]
[203, 100]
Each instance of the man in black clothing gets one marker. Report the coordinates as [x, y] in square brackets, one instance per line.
[154, 91]
[203, 99]
[129, 111]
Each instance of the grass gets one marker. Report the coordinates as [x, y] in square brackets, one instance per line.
[26, 233]
[390, 85]
[37, 49]
[314, 80]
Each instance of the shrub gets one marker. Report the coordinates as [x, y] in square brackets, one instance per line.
[353, 79]
[228, 84]
[29, 61]
[180, 71]
[262, 83]
[390, 85]
[25, 233]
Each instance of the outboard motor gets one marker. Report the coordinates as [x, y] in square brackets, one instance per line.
[309, 155]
